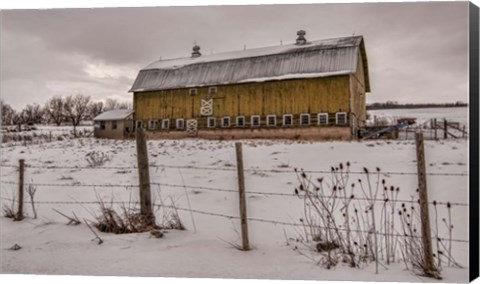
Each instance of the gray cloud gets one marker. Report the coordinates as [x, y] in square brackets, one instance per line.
[417, 52]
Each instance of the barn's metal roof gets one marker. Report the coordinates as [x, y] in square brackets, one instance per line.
[320, 58]
[116, 114]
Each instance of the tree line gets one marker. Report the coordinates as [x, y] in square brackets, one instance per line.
[394, 105]
[57, 110]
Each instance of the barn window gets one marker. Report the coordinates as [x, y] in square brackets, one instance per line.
[192, 92]
[341, 118]
[211, 122]
[152, 124]
[322, 118]
[255, 120]
[240, 121]
[272, 120]
[287, 120]
[212, 90]
[165, 123]
[139, 123]
[305, 119]
[114, 124]
[102, 125]
[226, 121]
[180, 123]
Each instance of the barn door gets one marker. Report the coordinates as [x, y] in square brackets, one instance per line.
[192, 127]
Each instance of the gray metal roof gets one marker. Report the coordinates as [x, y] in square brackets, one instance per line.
[116, 114]
[320, 58]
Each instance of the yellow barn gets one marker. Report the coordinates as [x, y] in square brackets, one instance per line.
[306, 90]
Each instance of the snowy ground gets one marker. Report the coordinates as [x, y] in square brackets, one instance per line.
[200, 175]
[49, 246]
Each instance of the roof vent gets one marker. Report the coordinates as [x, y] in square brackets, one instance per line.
[196, 51]
[301, 38]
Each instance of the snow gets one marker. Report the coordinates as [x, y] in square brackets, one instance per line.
[51, 247]
[253, 52]
[115, 114]
[296, 76]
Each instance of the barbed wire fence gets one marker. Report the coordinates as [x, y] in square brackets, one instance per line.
[335, 197]
[432, 129]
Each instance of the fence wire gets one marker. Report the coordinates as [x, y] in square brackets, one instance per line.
[233, 169]
[128, 186]
[261, 220]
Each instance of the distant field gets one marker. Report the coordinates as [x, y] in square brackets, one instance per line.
[454, 114]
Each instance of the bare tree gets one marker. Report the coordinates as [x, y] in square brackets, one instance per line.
[18, 119]
[111, 104]
[32, 114]
[125, 105]
[76, 109]
[54, 109]
[96, 108]
[7, 113]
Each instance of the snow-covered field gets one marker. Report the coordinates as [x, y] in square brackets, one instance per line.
[201, 175]
[456, 114]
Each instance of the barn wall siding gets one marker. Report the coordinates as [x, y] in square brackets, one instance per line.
[305, 133]
[297, 96]
[358, 92]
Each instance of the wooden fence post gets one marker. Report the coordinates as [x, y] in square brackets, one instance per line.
[435, 125]
[241, 190]
[445, 128]
[21, 169]
[428, 265]
[144, 177]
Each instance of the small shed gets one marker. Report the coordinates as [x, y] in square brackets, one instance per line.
[114, 124]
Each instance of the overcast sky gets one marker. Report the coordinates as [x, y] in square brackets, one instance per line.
[417, 52]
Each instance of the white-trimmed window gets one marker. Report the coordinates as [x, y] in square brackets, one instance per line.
[165, 123]
[341, 118]
[139, 123]
[322, 119]
[212, 90]
[180, 123]
[255, 120]
[152, 124]
[226, 121]
[102, 125]
[240, 121]
[287, 120]
[114, 124]
[305, 119]
[271, 120]
[211, 122]
[192, 91]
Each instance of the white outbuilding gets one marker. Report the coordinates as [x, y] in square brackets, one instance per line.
[114, 124]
